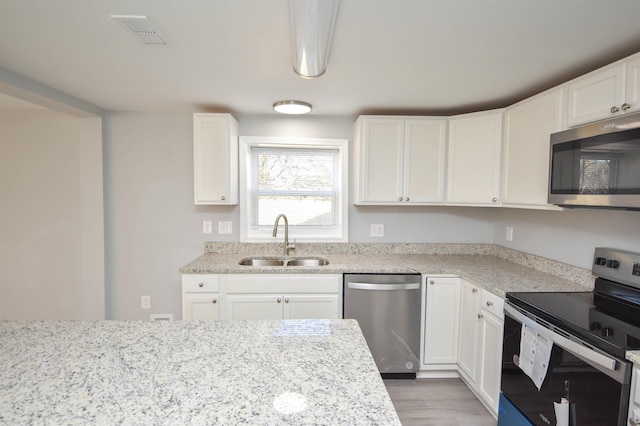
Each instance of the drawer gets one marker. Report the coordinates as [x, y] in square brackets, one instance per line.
[493, 304]
[200, 283]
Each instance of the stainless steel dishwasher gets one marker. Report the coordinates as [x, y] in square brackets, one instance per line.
[387, 307]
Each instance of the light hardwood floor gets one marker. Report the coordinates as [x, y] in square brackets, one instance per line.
[437, 402]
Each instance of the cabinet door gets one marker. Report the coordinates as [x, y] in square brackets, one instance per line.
[634, 403]
[425, 141]
[201, 307]
[525, 163]
[441, 321]
[312, 306]
[215, 154]
[381, 160]
[474, 159]
[633, 84]
[469, 330]
[254, 306]
[490, 359]
[591, 97]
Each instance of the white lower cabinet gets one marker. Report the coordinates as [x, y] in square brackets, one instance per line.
[201, 298]
[480, 353]
[469, 330]
[634, 397]
[441, 323]
[282, 306]
[261, 296]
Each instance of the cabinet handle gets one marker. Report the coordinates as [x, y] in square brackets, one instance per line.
[214, 301]
[489, 303]
[223, 198]
[480, 316]
[494, 200]
[614, 109]
[625, 106]
[474, 290]
[399, 198]
[279, 300]
[286, 300]
[634, 422]
[432, 282]
[201, 285]
[406, 199]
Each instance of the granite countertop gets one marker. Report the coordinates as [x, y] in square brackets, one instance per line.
[305, 372]
[496, 274]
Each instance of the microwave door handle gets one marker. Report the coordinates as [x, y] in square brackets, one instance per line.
[371, 286]
[593, 357]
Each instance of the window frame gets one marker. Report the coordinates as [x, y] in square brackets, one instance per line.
[246, 143]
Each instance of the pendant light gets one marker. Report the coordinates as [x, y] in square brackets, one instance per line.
[312, 23]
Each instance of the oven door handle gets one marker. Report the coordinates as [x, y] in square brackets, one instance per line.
[582, 351]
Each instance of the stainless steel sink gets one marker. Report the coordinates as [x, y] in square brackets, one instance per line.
[261, 261]
[308, 261]
[271, 261]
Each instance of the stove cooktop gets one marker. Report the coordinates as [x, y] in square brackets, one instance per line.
[606, 323]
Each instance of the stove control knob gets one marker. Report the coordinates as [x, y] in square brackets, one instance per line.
[595, 326]
[613, 264]
[601, 261]
[607, 332]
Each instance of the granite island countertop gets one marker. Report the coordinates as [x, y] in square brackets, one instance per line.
[304, 372]
[497, 273]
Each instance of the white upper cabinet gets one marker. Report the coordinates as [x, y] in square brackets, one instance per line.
[215, 155]
[604, 93]
[399, 160]
[473, 176]
[525, 149]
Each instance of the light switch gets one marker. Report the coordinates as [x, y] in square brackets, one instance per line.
[377, 230]
[509, 234]
[225, 227]
[207, 227]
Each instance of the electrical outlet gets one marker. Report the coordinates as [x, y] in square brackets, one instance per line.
[225, 227]
[509, 234]
[145, 301]
[207, 227]
[377, 230]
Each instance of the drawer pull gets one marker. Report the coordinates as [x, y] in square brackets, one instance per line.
[214, 301]
[201, 285]
[480, 316]
[474, 290]
[489, 303]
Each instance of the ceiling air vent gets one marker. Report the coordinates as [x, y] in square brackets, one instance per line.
[140, 26]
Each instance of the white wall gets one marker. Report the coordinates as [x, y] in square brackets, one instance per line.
[51, 234]
[153, 228]
[568, 236]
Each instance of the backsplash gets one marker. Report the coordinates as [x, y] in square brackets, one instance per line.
[559, 269]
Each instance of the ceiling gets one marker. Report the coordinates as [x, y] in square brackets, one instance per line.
[387, 57]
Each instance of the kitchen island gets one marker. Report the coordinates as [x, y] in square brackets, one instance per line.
[300, 372]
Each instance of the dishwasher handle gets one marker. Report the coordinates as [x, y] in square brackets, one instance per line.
[383, 287]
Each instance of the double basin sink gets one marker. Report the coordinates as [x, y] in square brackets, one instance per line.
[274, 261]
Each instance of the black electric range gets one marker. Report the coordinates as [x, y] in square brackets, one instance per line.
[590, 331]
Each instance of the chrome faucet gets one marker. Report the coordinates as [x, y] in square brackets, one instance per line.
[286, 246]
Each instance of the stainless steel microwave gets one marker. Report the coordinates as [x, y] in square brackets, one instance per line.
[597, 165]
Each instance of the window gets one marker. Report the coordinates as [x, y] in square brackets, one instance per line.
[305, 179]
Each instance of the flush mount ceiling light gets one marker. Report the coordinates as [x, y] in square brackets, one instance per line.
[292, 107]
[312, 23]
